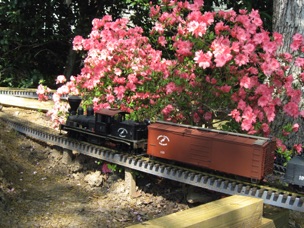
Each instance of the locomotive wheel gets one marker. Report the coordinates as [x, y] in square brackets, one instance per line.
[72, 134]
[123, 148]
[76, 135]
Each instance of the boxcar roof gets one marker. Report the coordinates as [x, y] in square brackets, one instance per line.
[209, 133]
[110, 111]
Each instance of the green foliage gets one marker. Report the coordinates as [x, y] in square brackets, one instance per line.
[109, 167]
[114, 168]
[32, 41]
[265, 8]
[231, 126]
[36, 36]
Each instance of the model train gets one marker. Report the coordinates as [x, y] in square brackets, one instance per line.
[232, 153]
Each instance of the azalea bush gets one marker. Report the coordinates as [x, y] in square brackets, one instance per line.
[195, 67]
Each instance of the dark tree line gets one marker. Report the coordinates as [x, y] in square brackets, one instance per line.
[36, 35]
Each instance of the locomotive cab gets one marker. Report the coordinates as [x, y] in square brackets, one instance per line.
[106, 118]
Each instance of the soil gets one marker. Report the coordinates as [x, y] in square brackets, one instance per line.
[40, 187]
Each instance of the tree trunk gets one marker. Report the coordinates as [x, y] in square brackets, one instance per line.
[70, 65]
[288, 19]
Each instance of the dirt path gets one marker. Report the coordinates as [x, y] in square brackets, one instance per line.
[37, 189]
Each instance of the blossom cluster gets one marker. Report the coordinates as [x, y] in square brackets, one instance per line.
[194, 67]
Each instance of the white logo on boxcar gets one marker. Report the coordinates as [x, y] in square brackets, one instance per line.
[163, 140]
[122, 132]
[301, 178]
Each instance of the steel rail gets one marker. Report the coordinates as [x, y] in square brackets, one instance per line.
[271, 196]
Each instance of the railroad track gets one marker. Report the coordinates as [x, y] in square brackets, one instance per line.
[25, 93]
[272, 196]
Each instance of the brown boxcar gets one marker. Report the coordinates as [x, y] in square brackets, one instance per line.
[243, 155]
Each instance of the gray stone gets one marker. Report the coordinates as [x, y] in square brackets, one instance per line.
[94, 179]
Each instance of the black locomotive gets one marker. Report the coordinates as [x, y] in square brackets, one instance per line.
[109, 127]
[105, 127]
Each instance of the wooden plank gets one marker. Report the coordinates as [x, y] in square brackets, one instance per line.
[233, 211]
[267, 223]
[44, 106]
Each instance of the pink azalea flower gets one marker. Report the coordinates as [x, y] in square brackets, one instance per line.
[167, 110]
[196, 118]
[42, 89]
[203, 59]
[298, 148]
[264, 100]
[154, 11]
[63, 90]
[281, 145]
[159, 28]
[222, 59]
[105, 168]
[183, 48]
[285, 133]
[220, 26]
[248, 114]
[170, 88]
[278, 38]
[246, 82]
[131, 86]
[225, 88]
[208, 18]
[246, 125]
[235, 114]
[270, 66]
[162, 41]
[208, 116]
[269, 112]
[117, 71]
[197, 29]
[77, 43]
[241, 59]
[221, 51]
[269, 47]
[299, 62]
[119, 91]
[265, 128]
[295, 127]
[197, 4]
[241, 104]
[255, 16]
[60, 79]
[110, 98]
[297, 41]
[292, 109]
[56, 97]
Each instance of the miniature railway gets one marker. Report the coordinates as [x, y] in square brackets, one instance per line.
[271, 196]
[26, 93]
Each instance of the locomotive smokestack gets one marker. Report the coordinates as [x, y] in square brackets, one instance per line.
[74, 102]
